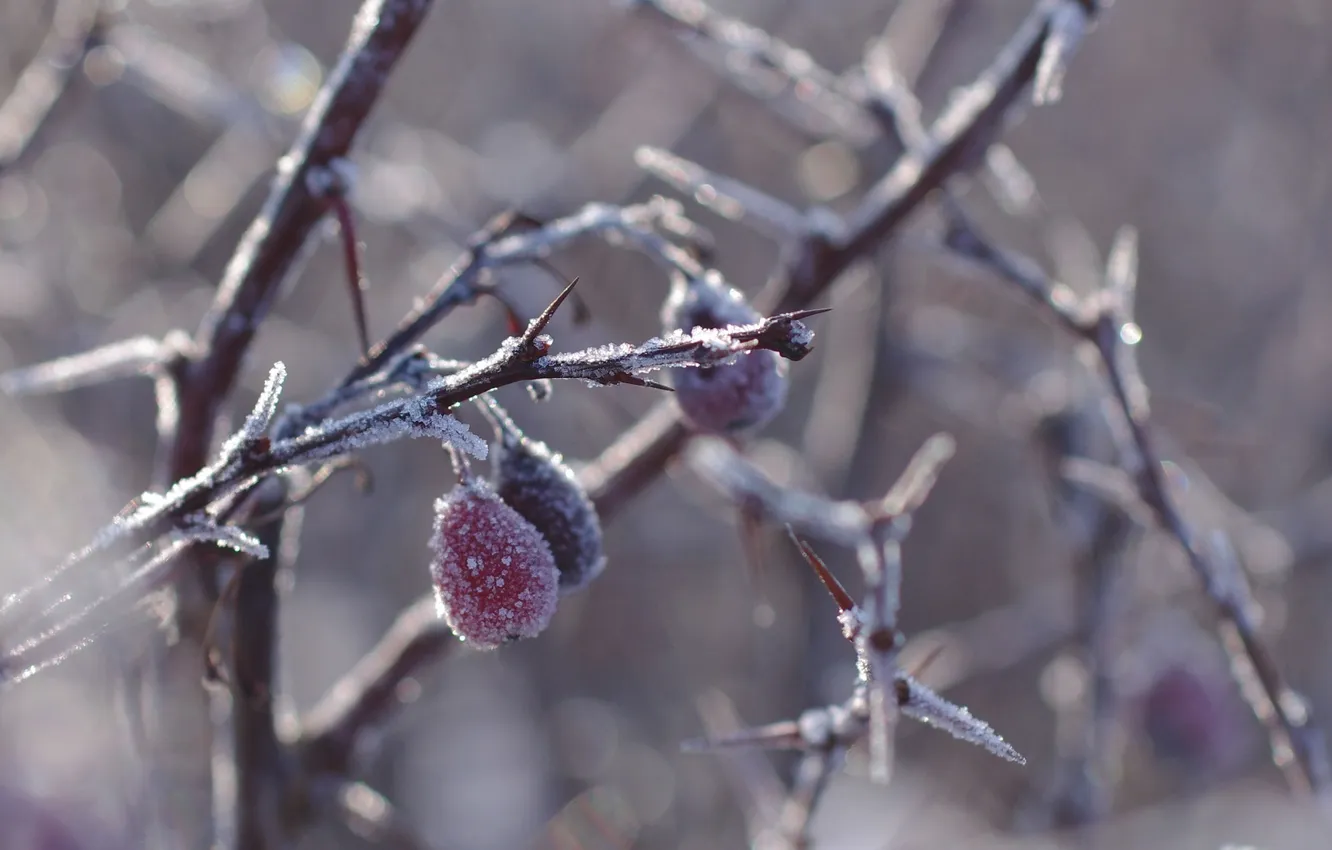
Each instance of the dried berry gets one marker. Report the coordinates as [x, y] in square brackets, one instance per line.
[540, 486]
[731, 399]
[495, 578]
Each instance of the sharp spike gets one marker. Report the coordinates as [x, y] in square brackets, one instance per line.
[839, 594]
[538, 324]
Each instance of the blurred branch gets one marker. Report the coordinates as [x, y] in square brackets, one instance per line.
[753, 780]
[77, 28]
[1105, 322]
[201, 505]
[1102, 532]
[765, 66]
[370, 690]
[370, 815]
[126, 358]
[274, 245]
[827, 247]
[845, 383]
[261, 767]
[883, 692]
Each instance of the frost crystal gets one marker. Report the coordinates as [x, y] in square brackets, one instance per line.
[264, 408]
[540, 486]
[736, 397]
[1068, 25]
[920, 703]
[495, 578]
[226, 536]
[414, 417]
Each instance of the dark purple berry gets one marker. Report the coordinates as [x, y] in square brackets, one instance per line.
[731, 399]
[1191, 719]
[539, 485]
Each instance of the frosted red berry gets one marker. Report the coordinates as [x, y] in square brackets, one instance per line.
[539, 485]
[735, 398]
[494, 575]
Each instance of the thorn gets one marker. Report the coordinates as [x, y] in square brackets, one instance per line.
[350, 255]
[582, 312]
[751, 542]
[640, 382]
[130, 507]
[537, 325]
[803, 314]
[839, 594]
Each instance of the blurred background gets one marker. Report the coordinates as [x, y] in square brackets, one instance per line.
[1206, 124]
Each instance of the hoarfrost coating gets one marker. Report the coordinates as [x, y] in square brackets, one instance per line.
[733, 398]
[494, 576]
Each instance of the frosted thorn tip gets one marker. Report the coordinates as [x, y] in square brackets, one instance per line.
[839, 594]
[538, 325]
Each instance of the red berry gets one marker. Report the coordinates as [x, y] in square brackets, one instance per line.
[740, 396]
[495, 578]
[541, 487]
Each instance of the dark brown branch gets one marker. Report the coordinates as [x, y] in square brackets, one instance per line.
[369, 691]
[277, 239]
[261, 767]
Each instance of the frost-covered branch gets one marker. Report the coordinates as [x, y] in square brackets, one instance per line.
[1105, 322]
[512, 239]
[194, 508]
[827, 246]
[126, 358]
[797, 87]
[883, 691]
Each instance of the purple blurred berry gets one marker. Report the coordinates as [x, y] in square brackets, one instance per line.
[731, 399]
[1192, 719]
